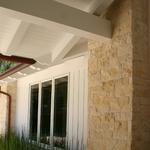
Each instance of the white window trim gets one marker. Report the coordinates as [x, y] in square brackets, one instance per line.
[39, 83]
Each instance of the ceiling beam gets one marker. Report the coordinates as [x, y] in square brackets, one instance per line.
[18, 59]
[48, 12]
[10, 35]
[94, 4]
[80, 49]
[13, 70]
[64, 47]
[17, 38]
[22, 63]
[103, 7]
[60, 52]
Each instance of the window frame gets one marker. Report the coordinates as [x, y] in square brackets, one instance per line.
[52, 79]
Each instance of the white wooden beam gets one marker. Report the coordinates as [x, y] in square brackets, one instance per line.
[5, 42]
[77, 51]
[104, 5]
[60, 52]
[74, 3]
[94, 4]
[17, 38]
[64, 47]
[66, 18]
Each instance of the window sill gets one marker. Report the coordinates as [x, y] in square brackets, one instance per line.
[45, 146]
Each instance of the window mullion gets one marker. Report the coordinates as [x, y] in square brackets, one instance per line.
[68, 105]
[52, 112]
[29, 115]
[39, 112]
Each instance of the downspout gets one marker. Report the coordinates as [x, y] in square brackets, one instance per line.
[9, 107]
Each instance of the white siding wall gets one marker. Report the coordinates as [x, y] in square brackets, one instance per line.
[77, 102]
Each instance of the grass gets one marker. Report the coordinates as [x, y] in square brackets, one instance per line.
[13, 142]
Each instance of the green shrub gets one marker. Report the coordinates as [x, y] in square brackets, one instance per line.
[14, 142]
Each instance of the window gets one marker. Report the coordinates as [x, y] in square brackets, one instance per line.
[34, 112]
[45, 112]
[60, 111]
[48, 112]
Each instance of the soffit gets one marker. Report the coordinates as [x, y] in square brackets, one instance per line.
[29, 40]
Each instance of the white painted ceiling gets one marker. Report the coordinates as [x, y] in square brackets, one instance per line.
[28, 40]
[38, 40]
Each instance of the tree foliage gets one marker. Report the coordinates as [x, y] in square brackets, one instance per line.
[5, 65]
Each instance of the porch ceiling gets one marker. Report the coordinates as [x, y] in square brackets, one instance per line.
[48, 46]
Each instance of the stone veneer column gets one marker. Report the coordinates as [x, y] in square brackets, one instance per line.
[10, 89]
[3, 111]
[119, 89]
